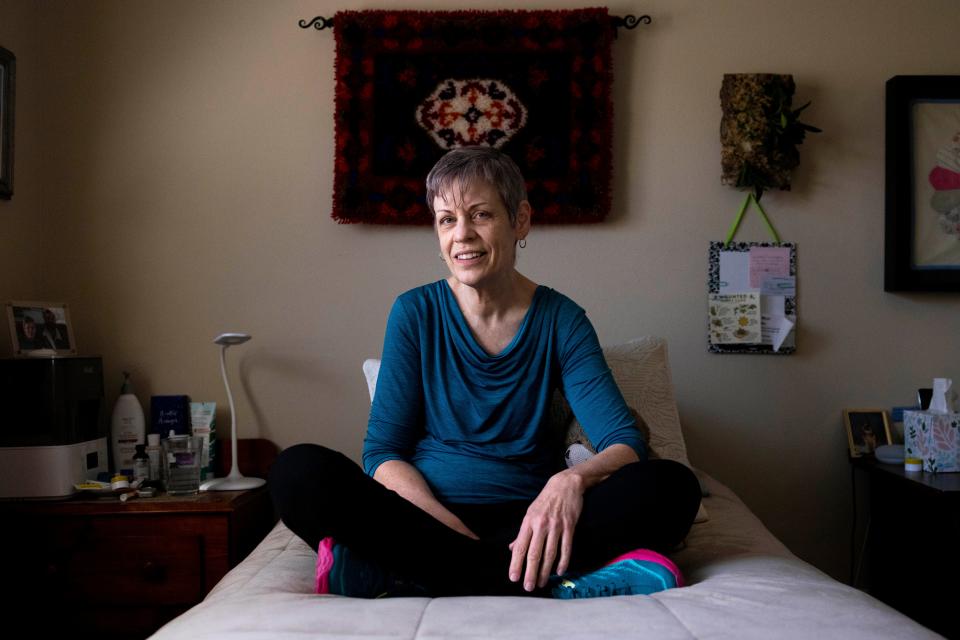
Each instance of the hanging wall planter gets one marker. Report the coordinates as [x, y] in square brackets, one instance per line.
[760, 131]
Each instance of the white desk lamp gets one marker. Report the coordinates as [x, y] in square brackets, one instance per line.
[235, 481]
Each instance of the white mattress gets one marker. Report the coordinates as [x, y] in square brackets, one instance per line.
[743, 583]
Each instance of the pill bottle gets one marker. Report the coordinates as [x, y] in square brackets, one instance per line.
[141, 464]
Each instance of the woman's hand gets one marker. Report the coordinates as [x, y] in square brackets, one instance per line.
[553, 516]
[547, 528]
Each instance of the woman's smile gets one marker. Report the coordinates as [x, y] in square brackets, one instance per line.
[468, 257]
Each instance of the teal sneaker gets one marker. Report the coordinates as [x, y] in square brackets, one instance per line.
[346, 573]
[620, 578]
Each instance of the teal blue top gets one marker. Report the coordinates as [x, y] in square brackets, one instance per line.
[475, 425]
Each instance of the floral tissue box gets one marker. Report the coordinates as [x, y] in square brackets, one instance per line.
[934, 438]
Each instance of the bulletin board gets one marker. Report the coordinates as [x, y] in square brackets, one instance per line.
[752, 298]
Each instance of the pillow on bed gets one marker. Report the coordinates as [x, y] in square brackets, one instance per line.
[642, 371]
[371, 369]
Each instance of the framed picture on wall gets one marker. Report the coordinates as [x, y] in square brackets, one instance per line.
[922, 244]
[40, 329]
[8, 64]
[867, 429]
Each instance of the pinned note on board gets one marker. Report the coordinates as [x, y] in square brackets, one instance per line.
[742, 273]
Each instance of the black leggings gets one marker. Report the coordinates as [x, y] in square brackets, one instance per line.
[320, 492]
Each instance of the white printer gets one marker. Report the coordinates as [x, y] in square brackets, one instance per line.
[53, 425]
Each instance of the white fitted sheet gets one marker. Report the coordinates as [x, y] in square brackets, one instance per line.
[742, 583]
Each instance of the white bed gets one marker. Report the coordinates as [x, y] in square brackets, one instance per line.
[742, 582]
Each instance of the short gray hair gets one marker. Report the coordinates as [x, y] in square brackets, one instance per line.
[467, 164]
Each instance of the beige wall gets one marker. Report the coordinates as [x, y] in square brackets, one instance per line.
[187, 169]
[21, 218]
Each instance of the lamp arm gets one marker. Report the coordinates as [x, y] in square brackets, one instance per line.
[235, 481]
[234, 468]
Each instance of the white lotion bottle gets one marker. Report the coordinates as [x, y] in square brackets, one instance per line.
[127, 428]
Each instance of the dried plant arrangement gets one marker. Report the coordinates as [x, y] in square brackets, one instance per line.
[760, 131]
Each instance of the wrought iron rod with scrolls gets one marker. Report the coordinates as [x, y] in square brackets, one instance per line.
[627, 22]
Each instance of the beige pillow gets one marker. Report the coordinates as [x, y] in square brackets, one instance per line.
[642, 371]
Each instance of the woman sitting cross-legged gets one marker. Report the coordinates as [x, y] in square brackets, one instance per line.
[460, 493]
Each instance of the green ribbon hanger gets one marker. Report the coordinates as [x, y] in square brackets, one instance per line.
[743, 209]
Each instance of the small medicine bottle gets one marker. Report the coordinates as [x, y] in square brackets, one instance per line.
[141, 464]
[153, 453]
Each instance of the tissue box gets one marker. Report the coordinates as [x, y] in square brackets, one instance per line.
[934, 438]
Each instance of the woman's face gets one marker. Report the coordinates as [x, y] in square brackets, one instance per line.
[477, 241]
[30, 330]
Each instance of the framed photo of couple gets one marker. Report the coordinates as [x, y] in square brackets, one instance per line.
[40, 329]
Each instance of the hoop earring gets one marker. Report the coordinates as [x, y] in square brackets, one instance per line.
[523, 243]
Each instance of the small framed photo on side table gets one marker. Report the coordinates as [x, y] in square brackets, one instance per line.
[867, 429]
[40, 329]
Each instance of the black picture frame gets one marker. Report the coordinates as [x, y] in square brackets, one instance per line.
[907, 98]
[8, 75]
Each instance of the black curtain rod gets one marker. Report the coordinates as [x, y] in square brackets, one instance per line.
[627, 22]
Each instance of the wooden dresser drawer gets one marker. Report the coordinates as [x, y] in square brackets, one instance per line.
[134, 559]
[137, 569]
[107, 569]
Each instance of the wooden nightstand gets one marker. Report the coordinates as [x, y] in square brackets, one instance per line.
[911, 542]
[99, 567]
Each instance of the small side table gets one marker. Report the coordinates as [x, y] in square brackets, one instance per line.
[101, 568]
[911, 546]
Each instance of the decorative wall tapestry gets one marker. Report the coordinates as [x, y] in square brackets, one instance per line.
[412, 85]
